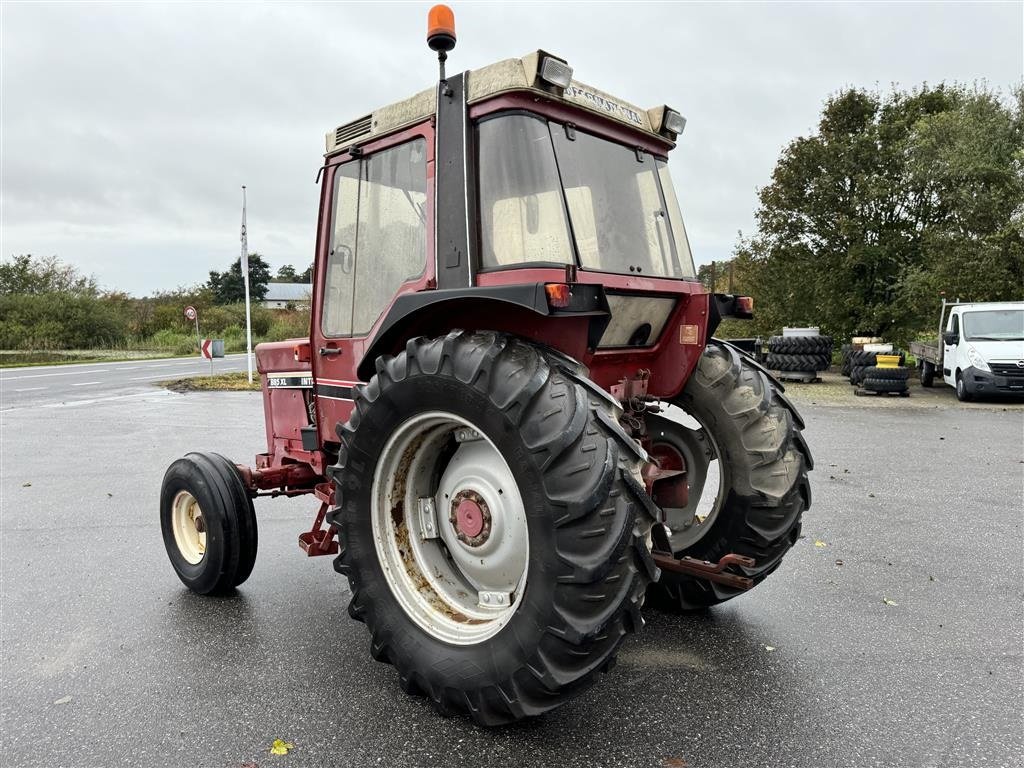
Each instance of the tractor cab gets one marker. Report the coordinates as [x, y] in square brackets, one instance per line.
[512, 197]
[509, 406]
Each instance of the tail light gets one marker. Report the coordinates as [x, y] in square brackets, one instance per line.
[559, 295]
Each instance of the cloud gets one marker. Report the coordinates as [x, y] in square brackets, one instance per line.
[128, 129]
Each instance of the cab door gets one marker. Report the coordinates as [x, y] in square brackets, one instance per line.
[374, 240]
[950, 343]
[333, 345]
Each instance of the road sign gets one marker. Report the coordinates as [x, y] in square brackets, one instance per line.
[204, 349]
[190, 313]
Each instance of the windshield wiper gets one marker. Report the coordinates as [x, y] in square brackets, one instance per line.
[996, 338]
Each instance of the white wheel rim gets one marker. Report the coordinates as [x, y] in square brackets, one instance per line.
[449, 528]
[686, 530]
[189, 527]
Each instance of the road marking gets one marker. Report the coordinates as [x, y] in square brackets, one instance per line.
[90, 401]
[29, 389]
[85, 383]
[73, 368]
[43, 375]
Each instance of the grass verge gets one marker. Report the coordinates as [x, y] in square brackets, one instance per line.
[237, 381]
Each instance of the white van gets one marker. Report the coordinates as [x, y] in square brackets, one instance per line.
[980, 350]
[983, 349]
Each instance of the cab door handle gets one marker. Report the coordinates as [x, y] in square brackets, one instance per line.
[329, 351]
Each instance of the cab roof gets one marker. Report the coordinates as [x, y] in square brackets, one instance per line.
[506, 76]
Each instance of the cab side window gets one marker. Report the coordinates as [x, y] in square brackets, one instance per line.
[341, 273]
[378, 237]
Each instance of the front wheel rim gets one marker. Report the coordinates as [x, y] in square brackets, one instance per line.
[189, 527]
[449, 528]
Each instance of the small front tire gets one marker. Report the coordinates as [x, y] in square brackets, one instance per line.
[208, 523]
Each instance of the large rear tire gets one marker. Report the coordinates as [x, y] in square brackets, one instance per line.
[762, 464]
[515, 436]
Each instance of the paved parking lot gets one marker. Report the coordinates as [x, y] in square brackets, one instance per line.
[896, 641]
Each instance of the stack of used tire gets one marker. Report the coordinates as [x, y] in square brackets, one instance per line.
[799, 354]
[886, 379]
[860, 361]
[846, 351]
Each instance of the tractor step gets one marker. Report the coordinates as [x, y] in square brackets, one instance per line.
[319, 541]
[315, 543]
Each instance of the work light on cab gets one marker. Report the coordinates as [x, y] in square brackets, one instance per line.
[441, 29]
[667, 121]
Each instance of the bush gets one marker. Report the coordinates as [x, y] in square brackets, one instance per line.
[174, 342]
[289, 325]
[60, 321]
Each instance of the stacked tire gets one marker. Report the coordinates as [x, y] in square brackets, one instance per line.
[846, 351]
[799, 353]
[877, 379]
[859, 361]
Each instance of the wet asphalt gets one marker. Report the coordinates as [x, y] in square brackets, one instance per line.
[891, 636]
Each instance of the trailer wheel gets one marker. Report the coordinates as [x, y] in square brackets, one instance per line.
[208, 523]
[762, 462]
[927, 374]
[494, 535]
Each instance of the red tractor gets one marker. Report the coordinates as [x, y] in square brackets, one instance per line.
[510, 405]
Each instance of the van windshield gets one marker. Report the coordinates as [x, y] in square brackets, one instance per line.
[550, 194]
[994, 325]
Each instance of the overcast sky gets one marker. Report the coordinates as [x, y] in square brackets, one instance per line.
[128, 129]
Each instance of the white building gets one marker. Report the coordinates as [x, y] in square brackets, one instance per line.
[283, 295]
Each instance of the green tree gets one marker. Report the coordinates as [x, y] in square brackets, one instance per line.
[26, 274]
[229, 287]
[896, 197]
[305, 277]
[285, 274]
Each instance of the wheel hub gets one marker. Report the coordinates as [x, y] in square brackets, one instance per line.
[471, 518]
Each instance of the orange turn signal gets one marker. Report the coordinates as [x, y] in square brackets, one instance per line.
[441, 28]
[558, 294]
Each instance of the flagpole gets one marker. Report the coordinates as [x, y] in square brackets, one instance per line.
[245, 277]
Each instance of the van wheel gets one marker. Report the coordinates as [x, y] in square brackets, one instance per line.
[961, 389]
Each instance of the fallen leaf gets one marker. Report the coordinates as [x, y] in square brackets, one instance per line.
[930, 577]
[26, 485]
[839, 562]
[110, 495]
[63, 700]
[769, 648]
[280, 747]
[871, 495]
[673, 762]
[820, 544]
[249, 765]
[887, 601]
